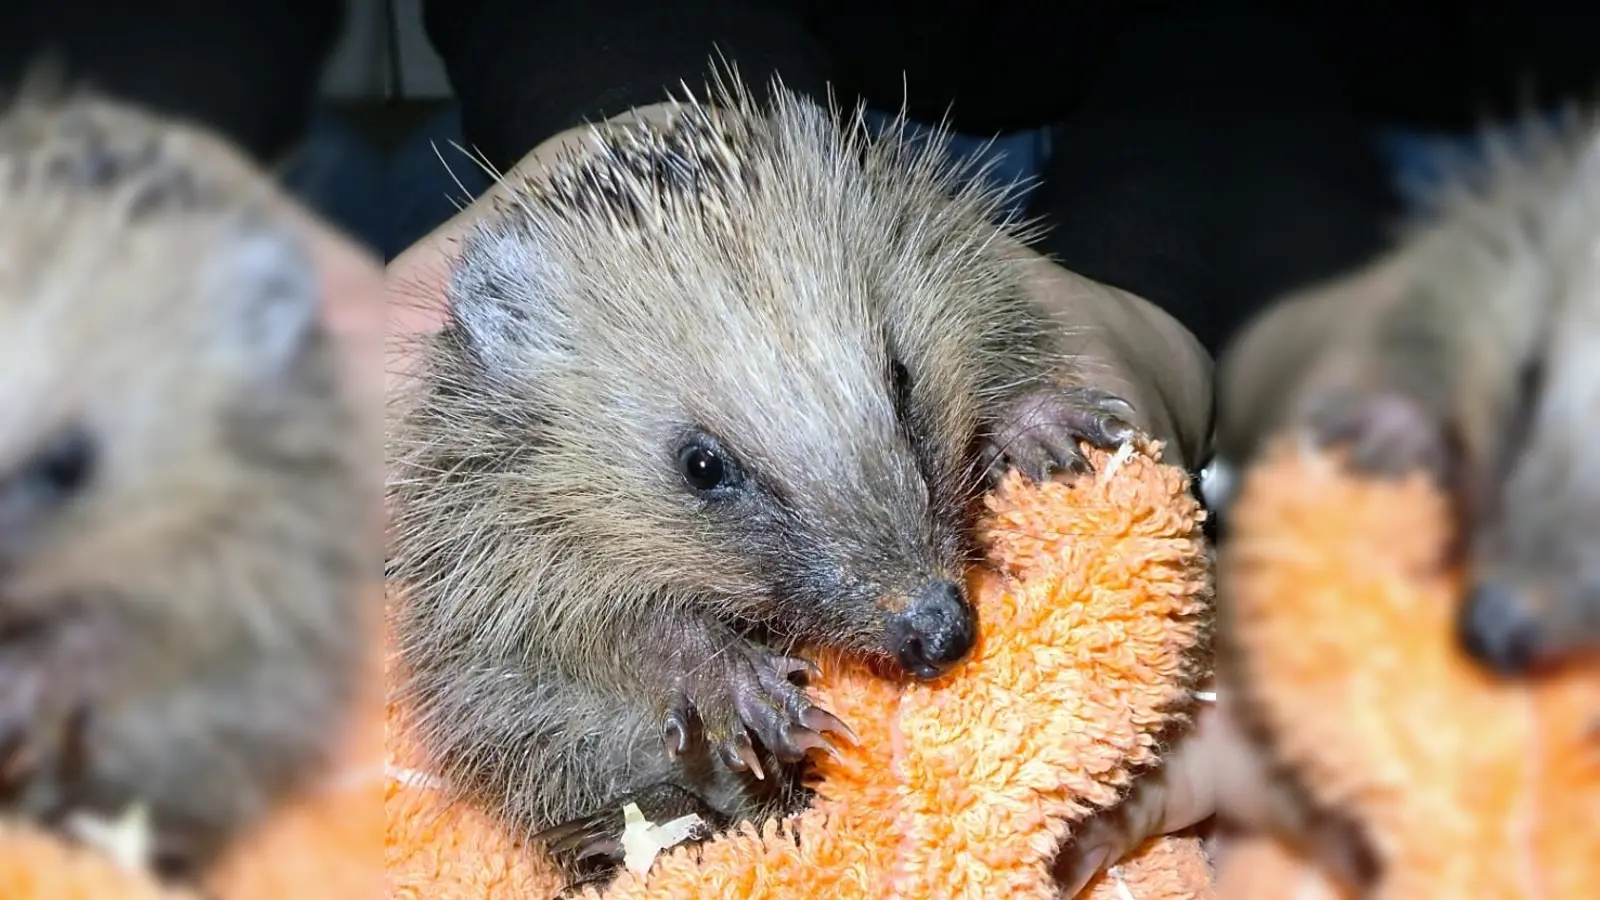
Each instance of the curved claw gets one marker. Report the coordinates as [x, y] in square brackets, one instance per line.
[675, 735]
[748, 700]
[788, 666]
[1117, 410]
[557, 834]
[800, 740]
[16, 761]
[740, 756]
[604, 848]
[580, 839]
[544, 835]
[675, 727]
[820, 720]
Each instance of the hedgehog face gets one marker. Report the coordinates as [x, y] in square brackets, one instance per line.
[123, 370]
[746, 359]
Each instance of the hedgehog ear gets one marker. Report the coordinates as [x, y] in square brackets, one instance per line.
[270, 301]
[501, 300]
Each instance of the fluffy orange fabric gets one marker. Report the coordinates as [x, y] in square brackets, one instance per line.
[964, 787]
[328, 844]
[1466, 786]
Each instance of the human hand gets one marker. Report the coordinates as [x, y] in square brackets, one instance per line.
[354, 300]
[1212, 770]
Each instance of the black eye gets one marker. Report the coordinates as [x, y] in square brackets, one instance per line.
[64, 466]
[900, 382]
[703, 467]
[55, 473]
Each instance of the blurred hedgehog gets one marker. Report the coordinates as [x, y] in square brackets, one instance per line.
[1479, 365]
[184, 521]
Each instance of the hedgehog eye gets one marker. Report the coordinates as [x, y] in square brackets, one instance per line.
[61, 468]
[705, 467]
[53, 475]
[899, 387]
[901, 381]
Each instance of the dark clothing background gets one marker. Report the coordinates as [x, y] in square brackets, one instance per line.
[1002, 64]
[248, 68]
[1206, 156]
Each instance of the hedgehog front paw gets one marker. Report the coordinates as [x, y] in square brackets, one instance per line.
[1385, 432]
[1039, 433]
[45, 692]
[744, 691]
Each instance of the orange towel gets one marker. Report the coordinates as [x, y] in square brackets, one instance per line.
[964, 787]
[1466, 787]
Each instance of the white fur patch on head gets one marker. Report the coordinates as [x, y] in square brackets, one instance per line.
[268, 299]
[503, 294]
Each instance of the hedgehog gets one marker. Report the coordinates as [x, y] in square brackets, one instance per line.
[187, 508]
[1469, 356]
[716, 391]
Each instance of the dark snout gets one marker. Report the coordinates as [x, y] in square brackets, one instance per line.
[935, 630]
[1500, 628]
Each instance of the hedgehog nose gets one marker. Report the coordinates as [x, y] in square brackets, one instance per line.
[934, 631]
[1497, 628]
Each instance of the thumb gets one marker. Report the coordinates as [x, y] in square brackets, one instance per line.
[1180, 794]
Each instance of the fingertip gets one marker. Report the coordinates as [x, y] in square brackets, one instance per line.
[1082, 868]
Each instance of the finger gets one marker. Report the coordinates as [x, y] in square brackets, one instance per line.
[352, 284]
[1180, 794]
[352, 291]
[1243, 787]
[1106, 838]
[1082, 868]
[1168, 799]
[1130, 348]
[353, 309]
